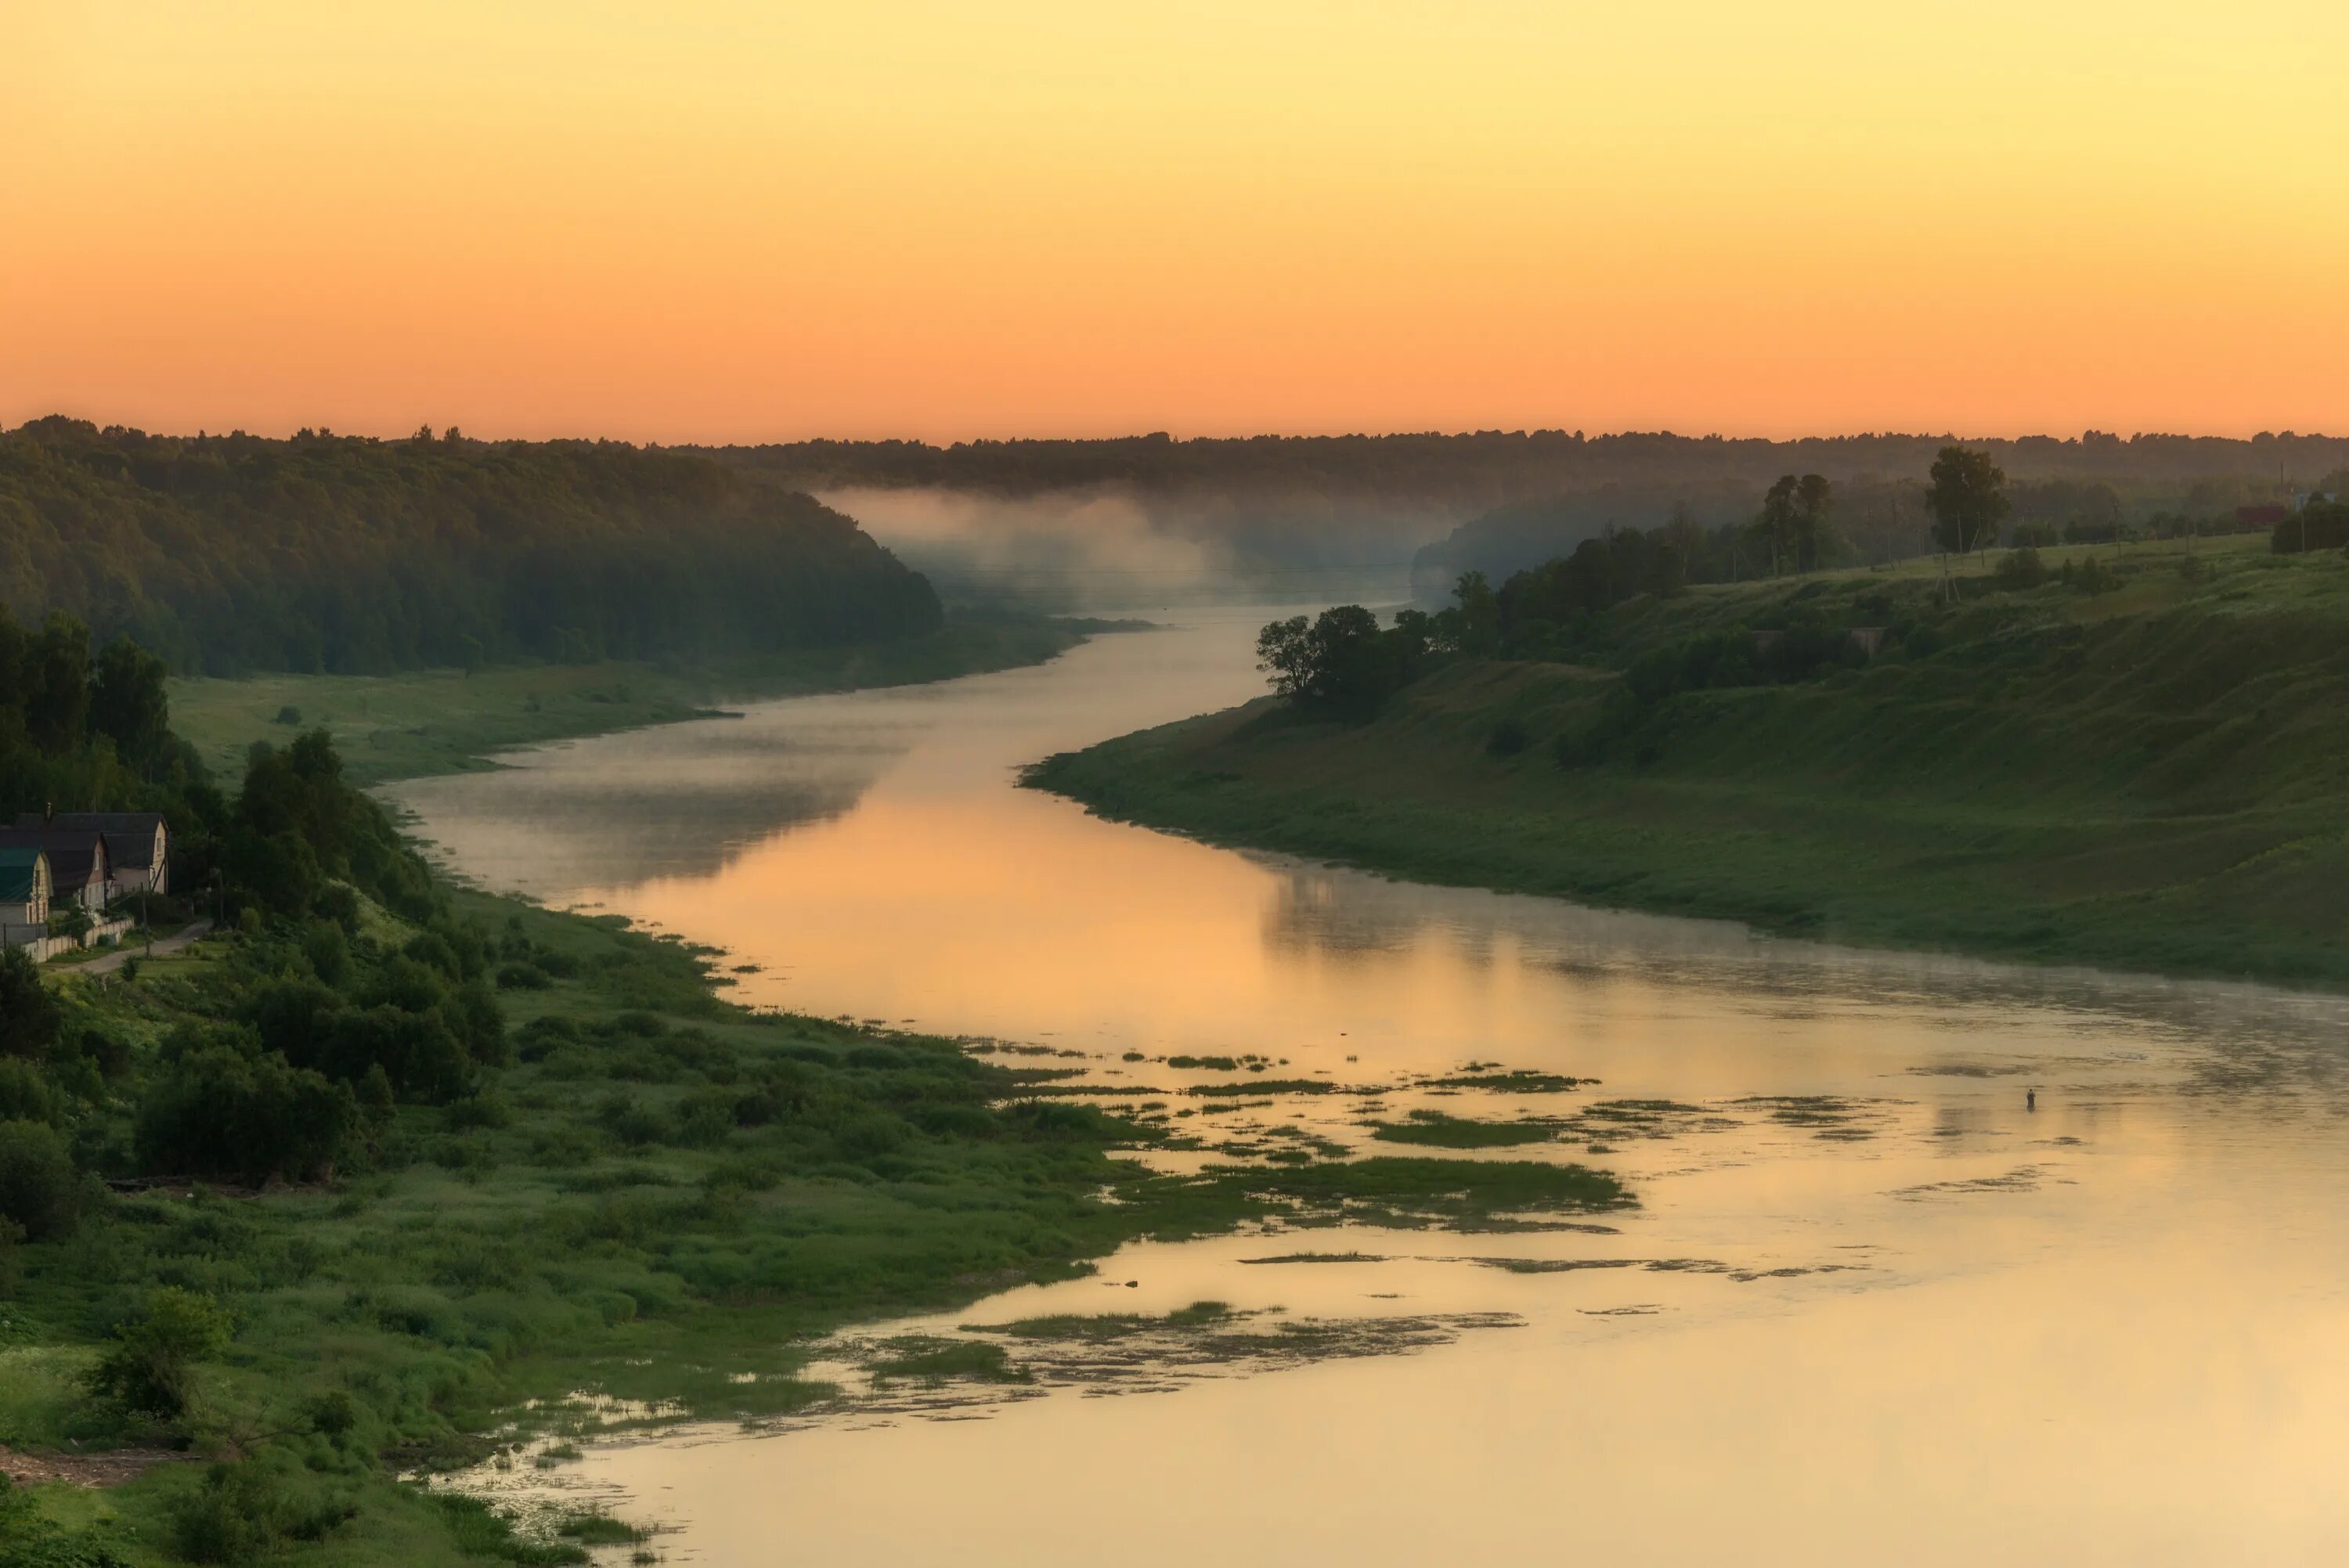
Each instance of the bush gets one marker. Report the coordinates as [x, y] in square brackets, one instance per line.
[29, 1016]
[223, 1110]
[523, 978]
[24, 1093]
[39, 1189]
[2021, 569]
[1508, 738]
[152, 1367]
[2319, 525]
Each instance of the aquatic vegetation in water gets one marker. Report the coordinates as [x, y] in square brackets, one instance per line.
[1520, 1082]
[931, 1359]
[1434, 1130]
[1391, 1191]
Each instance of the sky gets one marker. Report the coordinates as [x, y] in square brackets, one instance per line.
[703, 222]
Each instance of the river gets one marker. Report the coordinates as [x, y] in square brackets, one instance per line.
[1935, 1261]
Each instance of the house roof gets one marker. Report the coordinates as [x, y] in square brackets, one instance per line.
[78, 856]
[19, 865]
[129, 835]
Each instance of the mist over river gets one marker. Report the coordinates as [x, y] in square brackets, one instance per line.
[1874, 1307]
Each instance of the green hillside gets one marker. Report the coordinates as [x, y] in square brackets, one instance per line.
[2141, 767]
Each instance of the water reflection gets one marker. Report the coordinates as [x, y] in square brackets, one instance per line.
[679, 802]
[1934, 1322]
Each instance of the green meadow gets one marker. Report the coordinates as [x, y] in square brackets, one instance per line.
[412, 723]
[2141, 766]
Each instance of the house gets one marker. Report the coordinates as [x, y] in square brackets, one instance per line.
[80, 870]
[24, 891]
[137, 842]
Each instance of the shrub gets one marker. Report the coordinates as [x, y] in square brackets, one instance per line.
[24, 1093]
[29, 1016]
[1508, 738]
[226, 1112]
[329, 951]
[2021, 569]
[151, 1370]
[521, 976]
[39, 1190]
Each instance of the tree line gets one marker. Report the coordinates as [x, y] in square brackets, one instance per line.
[1344, 663]
[1496, 466]
[339, 553]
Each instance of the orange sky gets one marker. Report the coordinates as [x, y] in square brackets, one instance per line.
[709, 222]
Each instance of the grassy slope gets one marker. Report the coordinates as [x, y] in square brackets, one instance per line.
[593, 1227]
[421, 722]
[2150, 777]
[558, 1248]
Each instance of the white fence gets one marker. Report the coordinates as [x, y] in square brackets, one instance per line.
[37, 940]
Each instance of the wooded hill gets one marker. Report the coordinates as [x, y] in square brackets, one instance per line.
[1490, 468]
[341, 554]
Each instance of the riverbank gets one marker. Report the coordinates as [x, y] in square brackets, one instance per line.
[2144, 777]
[626, 1201]
[415, 723]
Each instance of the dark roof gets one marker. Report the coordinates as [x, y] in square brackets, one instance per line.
[17, 863]
[129, 835]
[74, 852]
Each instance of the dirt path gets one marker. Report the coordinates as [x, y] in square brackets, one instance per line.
[163, 947]
[110, 1468]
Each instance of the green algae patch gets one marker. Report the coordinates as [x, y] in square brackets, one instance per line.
[1434, 1130]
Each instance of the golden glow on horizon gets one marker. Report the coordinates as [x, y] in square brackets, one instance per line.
[757, 222]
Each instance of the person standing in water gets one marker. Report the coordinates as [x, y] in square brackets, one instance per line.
[2030, 1099]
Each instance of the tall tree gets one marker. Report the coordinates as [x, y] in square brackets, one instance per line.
[1967, 499]
[1778, 529]
[1813, 521]
[127, 702]
[56, 683]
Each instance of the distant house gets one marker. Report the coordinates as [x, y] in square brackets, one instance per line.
[2303, 500]
[136, 843]
[80, 869]
[23, 889]
[2259, 516]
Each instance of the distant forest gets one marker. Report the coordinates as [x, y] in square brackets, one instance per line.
[1492, 468]
[346, 554]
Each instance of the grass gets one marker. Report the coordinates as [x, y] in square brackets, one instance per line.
[2145, 778]
[933, 1360]
[609, 1221]
[421, 722]
[1434, 1130]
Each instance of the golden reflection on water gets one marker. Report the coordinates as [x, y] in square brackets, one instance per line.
[2107, 1330]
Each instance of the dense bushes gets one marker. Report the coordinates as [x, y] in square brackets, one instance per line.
[150, 1367]
[2319, 525]
[40, 1192]
[1342, 663]
[228, 1108]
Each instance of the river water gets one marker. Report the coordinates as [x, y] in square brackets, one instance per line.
[1873, 1307]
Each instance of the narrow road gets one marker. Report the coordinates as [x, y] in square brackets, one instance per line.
[163, 945]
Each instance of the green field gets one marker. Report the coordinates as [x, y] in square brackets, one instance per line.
[2149, 777]
[419, 722]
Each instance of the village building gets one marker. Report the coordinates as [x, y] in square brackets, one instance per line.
[24, 891]
[136, 843]
[81, 872]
